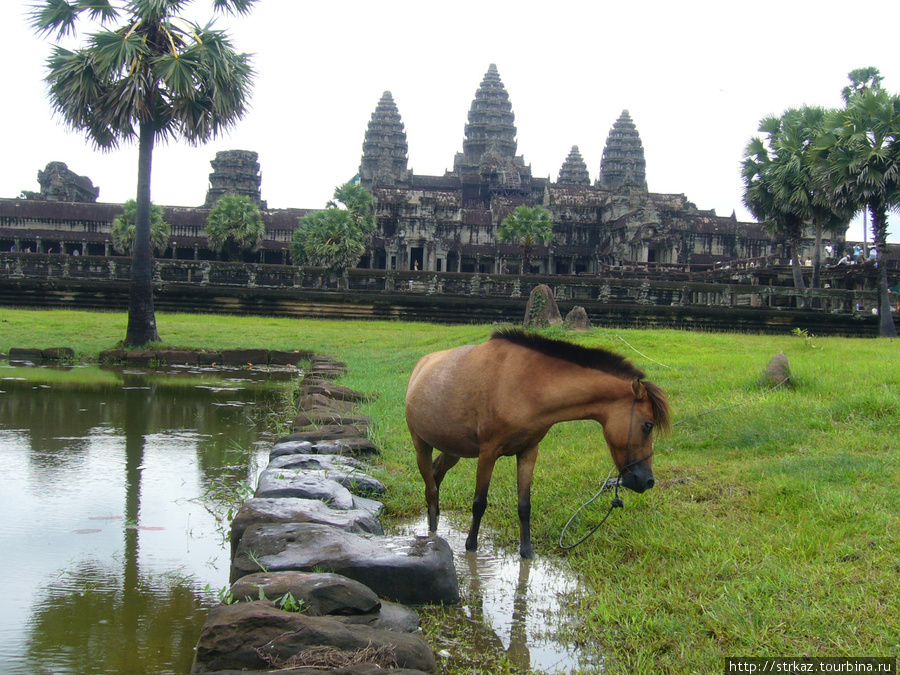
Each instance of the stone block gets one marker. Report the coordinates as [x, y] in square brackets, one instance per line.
[178, 357]
[25, 354]
[58, 353]
[283, 358]
[411, 570]
[243, 357]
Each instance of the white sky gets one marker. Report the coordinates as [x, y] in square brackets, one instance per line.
[695, 76]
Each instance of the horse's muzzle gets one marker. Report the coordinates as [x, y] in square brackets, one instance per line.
[639, 478]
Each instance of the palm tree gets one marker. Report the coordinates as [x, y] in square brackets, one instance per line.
[156, 76]
[760, 194]
[336, 237]
[527, 226]
[235, 225]
[800, 182]
[122, 230]
[861, 150]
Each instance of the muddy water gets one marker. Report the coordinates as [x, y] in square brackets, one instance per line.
[112, 486]
[509, 604]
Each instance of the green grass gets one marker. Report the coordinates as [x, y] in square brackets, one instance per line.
[773, 528]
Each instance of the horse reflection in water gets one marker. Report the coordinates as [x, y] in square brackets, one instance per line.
[500, 398]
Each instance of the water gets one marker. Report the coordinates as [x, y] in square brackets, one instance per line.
[113, 484]
[509, 604]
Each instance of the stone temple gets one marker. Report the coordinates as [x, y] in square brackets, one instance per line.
[449, 223]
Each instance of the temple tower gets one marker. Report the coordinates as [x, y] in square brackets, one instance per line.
[235, 172]
[623, 165]
[574, 171]
[489, 146]
[385, 150]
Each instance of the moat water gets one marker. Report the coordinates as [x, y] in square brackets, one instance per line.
[113, 486]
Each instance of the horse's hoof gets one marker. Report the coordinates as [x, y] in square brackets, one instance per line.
[526, 552]
[471, 546]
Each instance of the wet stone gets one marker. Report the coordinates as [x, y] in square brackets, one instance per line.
[332, 390]
[328, 432]
[233, 637]
[140, 356]
[56, 353]
[243, 357]
[209, 358]
[321, 402]
[319, 418]
[356, 447]
[352, 478]
[412, 570]
[362, 518]
[320, 594]
[277, 483]
[174, 356]
[25, 354]
[283, 358]
[284, 447]
[112, 355]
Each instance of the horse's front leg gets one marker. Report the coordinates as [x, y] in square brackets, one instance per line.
[486, 461]
[525, 461]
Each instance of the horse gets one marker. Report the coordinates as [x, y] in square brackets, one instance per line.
[501, 397]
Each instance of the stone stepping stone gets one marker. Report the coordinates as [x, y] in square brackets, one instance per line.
[277, 479]
[281, 483]
[317, 418]
[322, 402]
[325, 594]
[234, 636]
[332, 390]
[411, 570]
[321, 594]
[363, 518]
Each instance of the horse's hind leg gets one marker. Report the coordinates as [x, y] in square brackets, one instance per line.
[485, 470]
[423, 461]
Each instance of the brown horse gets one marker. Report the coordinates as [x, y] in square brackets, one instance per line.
[500, 398]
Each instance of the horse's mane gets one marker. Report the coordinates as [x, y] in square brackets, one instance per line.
[591, 357]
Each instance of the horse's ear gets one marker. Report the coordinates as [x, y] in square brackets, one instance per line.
[638, 388]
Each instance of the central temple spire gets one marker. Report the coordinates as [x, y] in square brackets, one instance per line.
[489, 146]
[622, 165]
[491, 122]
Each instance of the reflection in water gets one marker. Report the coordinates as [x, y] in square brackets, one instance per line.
[510, 604]
[109, 482]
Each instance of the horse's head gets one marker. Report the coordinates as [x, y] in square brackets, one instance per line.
[629, 434]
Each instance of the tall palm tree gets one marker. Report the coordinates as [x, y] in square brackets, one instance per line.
[155, 77]
[527, 226]
[862, 152]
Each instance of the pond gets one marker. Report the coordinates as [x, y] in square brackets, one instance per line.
[114, 486]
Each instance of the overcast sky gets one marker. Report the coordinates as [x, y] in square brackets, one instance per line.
[695, 76]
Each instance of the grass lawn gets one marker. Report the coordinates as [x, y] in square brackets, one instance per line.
[773, 527]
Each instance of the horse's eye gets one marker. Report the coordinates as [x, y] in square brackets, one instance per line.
[648, 427]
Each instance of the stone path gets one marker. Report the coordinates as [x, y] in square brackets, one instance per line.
[312, 537]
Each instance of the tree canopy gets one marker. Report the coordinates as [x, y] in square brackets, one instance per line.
[235, 226]
[527, 226]
[336, 237]
[122, 230]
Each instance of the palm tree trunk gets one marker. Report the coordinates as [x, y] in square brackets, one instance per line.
[141, 316]
[886, 327]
